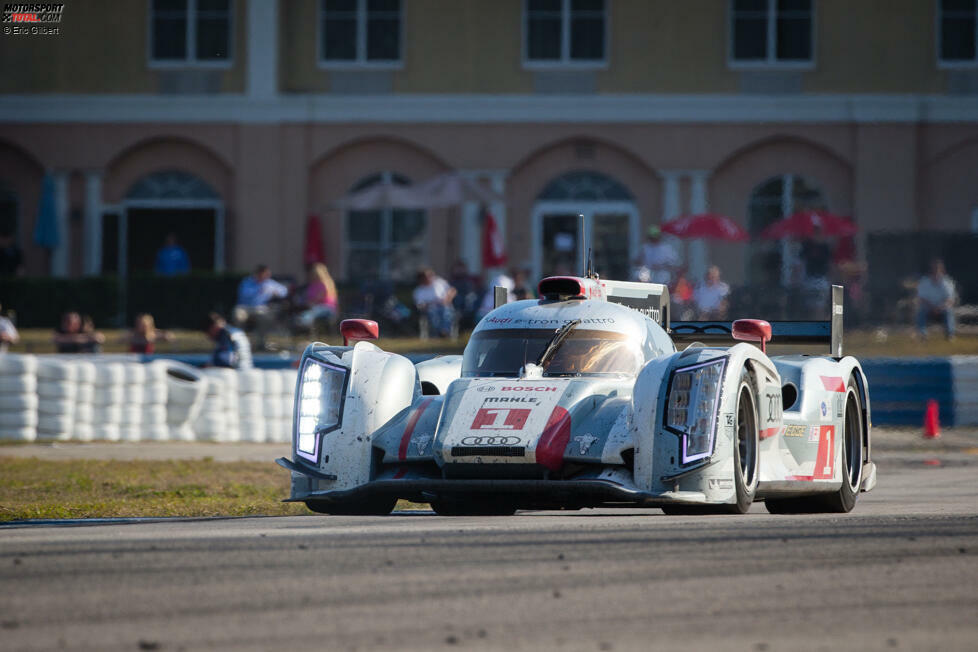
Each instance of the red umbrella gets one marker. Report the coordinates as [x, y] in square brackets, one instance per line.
[706, 225]
[312, 252]
[803, 224]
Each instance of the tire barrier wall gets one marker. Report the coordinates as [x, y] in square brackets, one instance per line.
[118, 398]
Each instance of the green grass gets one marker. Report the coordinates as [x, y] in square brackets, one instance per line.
[40, 489]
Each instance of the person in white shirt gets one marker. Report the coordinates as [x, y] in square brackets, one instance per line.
[936, 296]
[8, 333]
[502, 280]
[710, 296]
[659, 256]
[433, 296]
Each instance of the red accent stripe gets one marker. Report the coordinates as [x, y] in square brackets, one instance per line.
[409, 429]
[833, 384]
[401, 472]
[805, 478]
[553, 442]
[769, 432]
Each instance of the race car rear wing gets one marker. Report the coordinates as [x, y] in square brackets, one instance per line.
[782, 332]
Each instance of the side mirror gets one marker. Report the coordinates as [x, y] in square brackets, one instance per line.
[355, 330]
[752, 330]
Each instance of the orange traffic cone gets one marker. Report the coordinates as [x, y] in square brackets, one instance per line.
[932, 423]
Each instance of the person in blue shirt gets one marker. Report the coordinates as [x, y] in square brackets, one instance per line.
[232, 349]
[172, 259]
[259, 300]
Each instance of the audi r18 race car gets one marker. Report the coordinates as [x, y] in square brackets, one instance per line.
[581, 399]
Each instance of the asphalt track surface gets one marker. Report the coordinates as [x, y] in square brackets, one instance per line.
[899, 573]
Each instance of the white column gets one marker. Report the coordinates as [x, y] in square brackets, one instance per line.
[59, 256]
[93, 223]
[698, 203]
[497, 181]
[262, 42]
[471, 249]
[671, 203]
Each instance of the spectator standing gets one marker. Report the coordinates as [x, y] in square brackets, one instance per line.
[936, 297]
[320, 299]
[257, 294]
[144, 335]
[11, 257]
[72, 336]
[522, 288]
[433, 296]
[502, 280]
[816, 257]
[8, 333]
[172, 259]
[232, 349]
[659, 256]
[711, 295]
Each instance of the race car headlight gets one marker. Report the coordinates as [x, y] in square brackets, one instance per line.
[319, 404]
[692, 410]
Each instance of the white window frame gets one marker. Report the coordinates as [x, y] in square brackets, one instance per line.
[360, 62]
[565, 62]
[955, 64]
[191, 60]
[590, 210]
[771, 62]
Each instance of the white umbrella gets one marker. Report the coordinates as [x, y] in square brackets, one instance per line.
[381, 195]
[454, 189]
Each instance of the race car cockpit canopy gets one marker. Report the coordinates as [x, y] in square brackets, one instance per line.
[602, 339]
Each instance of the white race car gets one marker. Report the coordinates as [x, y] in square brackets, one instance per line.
[581, 399]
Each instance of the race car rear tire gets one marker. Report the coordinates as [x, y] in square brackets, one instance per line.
[843, 500]
[472, 507]
[372, 506]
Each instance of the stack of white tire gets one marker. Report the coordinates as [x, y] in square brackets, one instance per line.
[218, 420]
[251, 404]
[84, 420]
[186, 389]
[18, 397]
[154, 409]
[108, 400]
[57, 387]
[134, 395]
[282, 421]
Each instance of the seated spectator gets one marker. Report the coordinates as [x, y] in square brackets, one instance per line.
[936, 296]
[8, 333]
[232, 349]
[711, 295]
[143, 336]
[76, 336]
[257, 297]
[682, 298]
[320, 299]
[433, 296]
[659, 256]
[172, 259]
[467, 292]
[522, 288]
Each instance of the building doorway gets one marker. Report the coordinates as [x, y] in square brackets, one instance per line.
[599, 205]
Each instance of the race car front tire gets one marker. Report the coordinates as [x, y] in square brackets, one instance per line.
[372, 506]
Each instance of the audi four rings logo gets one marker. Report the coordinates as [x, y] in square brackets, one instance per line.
[499, 440]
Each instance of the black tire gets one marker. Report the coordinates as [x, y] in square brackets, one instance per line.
[853, 441]
[372, 506]
[473, 507]
[745, 445]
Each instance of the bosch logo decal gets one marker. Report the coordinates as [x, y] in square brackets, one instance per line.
[493, 440]
[527, 388]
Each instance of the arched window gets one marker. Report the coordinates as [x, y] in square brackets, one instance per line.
[610, 224]
[772, 200]
[386, 244]
[169, 185]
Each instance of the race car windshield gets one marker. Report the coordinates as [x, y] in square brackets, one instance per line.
[503, 352]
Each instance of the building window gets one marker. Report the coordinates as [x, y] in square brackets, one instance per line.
[190, 32]
[360, 32]
[385, 244]
[565, 32]
[771, 33]
[958, 32]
